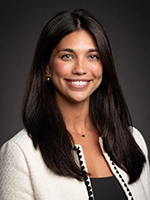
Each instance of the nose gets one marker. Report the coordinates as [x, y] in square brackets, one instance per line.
[80, 67]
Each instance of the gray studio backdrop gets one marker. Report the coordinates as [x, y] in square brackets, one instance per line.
[128, 26]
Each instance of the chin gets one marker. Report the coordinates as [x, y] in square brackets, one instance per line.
[79, 100]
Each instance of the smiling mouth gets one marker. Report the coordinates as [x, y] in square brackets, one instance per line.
[78, 83]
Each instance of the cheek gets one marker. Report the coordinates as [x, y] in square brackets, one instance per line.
[57, 68]
[97, 71]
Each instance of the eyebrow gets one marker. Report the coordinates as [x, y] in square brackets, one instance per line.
[72, 51]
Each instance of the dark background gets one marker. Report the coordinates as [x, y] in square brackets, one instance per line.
[127, 24]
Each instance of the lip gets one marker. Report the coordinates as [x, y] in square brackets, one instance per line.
[77, 83]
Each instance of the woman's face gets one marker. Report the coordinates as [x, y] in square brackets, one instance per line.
[75, 67]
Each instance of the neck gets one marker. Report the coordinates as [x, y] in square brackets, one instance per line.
[76, 116]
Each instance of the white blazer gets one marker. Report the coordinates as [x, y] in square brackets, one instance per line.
[24, 175]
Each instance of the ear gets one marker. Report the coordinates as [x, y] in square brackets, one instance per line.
[47, 71]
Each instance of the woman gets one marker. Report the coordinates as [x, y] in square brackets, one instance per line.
[78, 133]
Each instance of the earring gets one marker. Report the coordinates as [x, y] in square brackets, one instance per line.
[48, 79]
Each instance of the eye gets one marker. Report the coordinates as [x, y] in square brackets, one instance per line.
[66, 57]
[94, 57]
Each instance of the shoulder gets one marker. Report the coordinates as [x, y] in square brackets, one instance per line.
[20, 139]
[17, 145]
[139, 139]
[15, 178]
[19, 153]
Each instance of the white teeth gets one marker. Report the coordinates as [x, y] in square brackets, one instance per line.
[79, 83]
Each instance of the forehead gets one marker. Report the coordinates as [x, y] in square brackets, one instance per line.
[77, 39]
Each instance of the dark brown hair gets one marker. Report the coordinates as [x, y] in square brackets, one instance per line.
[42, 117]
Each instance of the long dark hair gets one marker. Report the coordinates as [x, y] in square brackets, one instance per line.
[42, 117]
